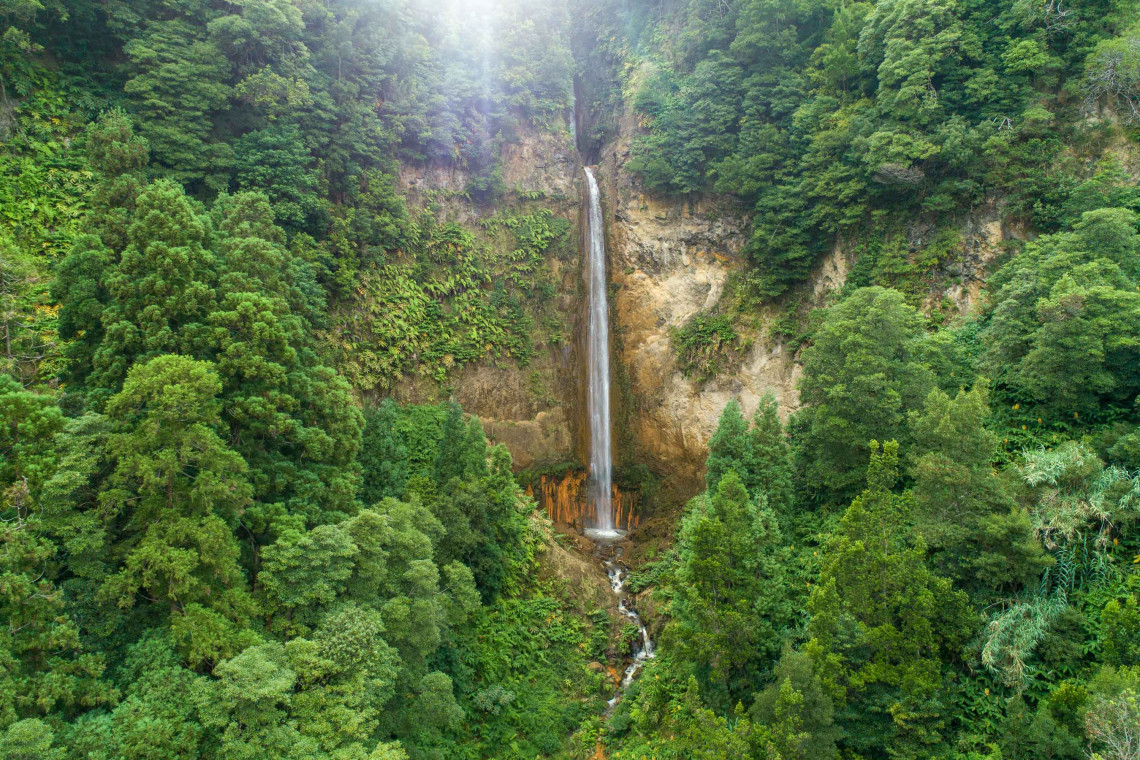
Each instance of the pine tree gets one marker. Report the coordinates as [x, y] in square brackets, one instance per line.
[729, 601]
[977, 534]
[162, 290]
[728, 448]
[121, 157]
[770, 470]
[868, 365]
[178, 81]
[177, 488]
[882, 624]
[383, 455]
[759, 454]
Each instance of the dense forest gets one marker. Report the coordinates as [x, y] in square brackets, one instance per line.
[235, 526]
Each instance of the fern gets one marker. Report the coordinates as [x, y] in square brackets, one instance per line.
[1011, 636]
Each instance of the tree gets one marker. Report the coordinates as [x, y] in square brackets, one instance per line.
[771, 470]
[1112, 75]
[1065, 315]
[728, 448]
[883, 624]
[30, 739]
[245, 708]
[121, 157]
[868, 365]
[294, 420]
[81, 289]
[17, 334]
[178, 80]
[910, 44]
[161, 291]
[976, 532]
[383, 455]
[277, 162]
[158, 712]
[348, 673]
[796, 696]
[45, 665]
[177, 489]
[1113, 719]
[730, 598]
[759, 454]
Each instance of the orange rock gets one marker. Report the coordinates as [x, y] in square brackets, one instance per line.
[566, 500]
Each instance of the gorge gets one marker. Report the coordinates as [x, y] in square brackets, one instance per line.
[569, 380]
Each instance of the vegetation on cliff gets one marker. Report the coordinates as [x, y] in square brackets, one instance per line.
[214, 544]
[844, 119]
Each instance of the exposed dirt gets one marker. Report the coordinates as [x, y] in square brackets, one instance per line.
[570, 558]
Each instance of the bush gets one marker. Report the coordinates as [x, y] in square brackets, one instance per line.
[705, 345]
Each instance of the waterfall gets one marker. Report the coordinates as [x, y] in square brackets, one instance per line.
[601, 449]
[598, 405]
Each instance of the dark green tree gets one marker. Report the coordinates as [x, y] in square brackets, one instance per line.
[729, 604]
[729, 446]
[178, 80]
[868, 365]
[966, 513]
[177, 490]
[759, 454]
[1065, 316]
[883, 625]
[162, 290]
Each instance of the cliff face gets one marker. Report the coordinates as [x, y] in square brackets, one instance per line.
[531, 408]
[669, 259]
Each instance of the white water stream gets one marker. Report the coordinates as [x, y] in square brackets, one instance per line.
[598, 348]
[601, 451]
[644, 649]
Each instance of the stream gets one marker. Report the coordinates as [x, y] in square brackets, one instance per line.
[644, 649]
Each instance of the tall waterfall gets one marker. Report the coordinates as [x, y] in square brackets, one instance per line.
[598, 406]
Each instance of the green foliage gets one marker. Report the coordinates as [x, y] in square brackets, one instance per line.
[1112, 75]
[177, 489]
[869, 364]
[210, 552]
[729, 598]
[796, 689]
[825, 118]
[706, 345]
[759, 455]
[977, 534]
[437, 455]
[882, 622]
[1120, 627]
[450, 302]
[1062, 331]
[177, 78]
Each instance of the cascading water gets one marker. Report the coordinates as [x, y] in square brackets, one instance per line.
[601, 454]
[598, 406]
[644, 649]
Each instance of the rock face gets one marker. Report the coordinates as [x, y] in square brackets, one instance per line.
[536, 164]
[671, 260]
[531, 409]
[565, 498]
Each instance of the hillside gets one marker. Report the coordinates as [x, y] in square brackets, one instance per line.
[305, 450]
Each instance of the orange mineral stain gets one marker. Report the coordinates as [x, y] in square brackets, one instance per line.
[566, 499]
